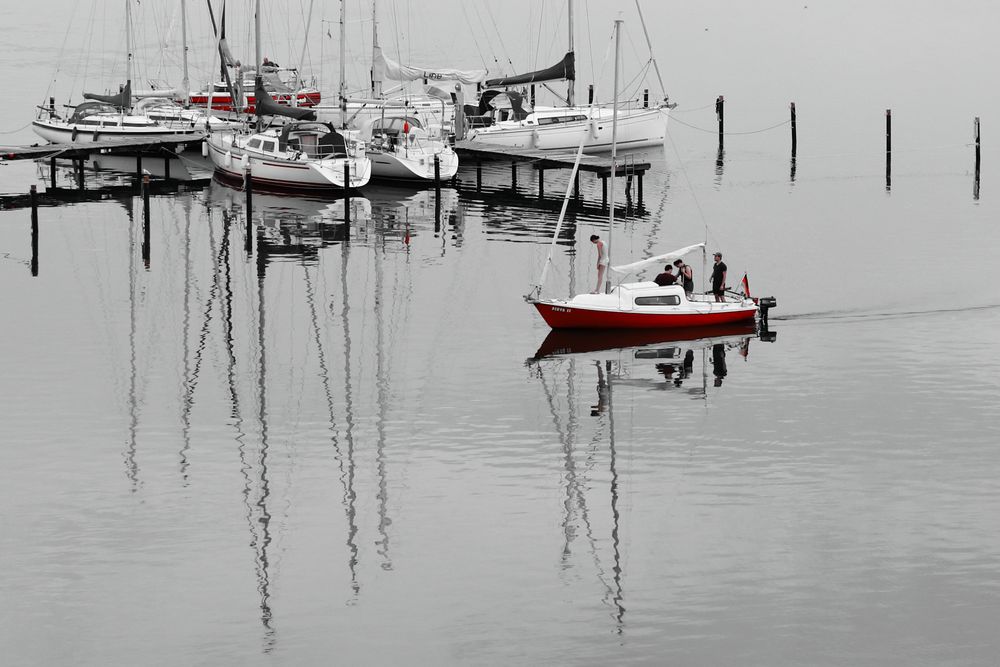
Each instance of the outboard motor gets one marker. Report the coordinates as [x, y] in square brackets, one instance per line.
[764, 304]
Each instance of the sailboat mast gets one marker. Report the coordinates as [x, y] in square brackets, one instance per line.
[185, 81]
[256, 36]
[614, 153]
[343, 64]
[376, 85]
[571, 84]
[128, 47]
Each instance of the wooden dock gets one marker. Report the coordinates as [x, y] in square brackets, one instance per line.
[81, 151]
[477, 152]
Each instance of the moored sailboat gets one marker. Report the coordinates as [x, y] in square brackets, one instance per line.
[638, 305]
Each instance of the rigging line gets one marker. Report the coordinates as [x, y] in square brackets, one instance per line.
[17, 130]
[503, 47]
[465, 13]
[687, 178]
[732, 134]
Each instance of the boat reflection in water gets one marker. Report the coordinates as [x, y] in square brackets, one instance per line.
[568, 364]
[293, 224]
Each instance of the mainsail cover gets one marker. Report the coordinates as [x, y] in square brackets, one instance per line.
[122, 100]
[564, 69]
[386, 68]
[659, 259]
[266, 106]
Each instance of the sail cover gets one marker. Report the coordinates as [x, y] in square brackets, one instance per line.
[664, 258]
[386, 68]
[122, 100]
[564, 69]
[266, 106]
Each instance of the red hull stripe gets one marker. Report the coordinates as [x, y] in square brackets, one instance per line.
[560, 317]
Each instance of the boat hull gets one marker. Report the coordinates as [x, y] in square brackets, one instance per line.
[416, 167]
[66, 133]
[638, 129]
[560, 315]
[231, 164]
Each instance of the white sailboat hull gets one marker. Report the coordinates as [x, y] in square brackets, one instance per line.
[415, 165]
[232, 162]
[636, 129]
[60, 132]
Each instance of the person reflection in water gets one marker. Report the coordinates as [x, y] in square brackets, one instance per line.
[602, 261]
[603, 395]
[719, 363]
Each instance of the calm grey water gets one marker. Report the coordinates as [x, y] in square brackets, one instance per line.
[343, 448]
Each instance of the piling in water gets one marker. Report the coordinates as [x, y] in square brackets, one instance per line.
[34, 231]
[347, 194]
[145, 221]
[248, 189]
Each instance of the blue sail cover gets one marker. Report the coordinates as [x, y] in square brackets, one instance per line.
[564, 69]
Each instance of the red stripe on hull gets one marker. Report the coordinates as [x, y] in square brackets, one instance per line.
[562, 317]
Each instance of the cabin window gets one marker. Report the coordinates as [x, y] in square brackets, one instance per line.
[663, 300]
[253, 143]
[267, 146]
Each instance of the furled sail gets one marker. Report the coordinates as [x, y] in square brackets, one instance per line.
[122, 99]
[659, 259]
[266, 106]
[564, 69]
[386, 68]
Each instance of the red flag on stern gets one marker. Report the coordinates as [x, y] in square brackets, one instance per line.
[745, 286]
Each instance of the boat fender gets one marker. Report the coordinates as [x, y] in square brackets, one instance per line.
[204, 149]
[593, 128]
[96, 135]
[536, 140]
[228, 159]
[76, 131]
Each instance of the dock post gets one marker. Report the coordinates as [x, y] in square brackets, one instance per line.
[52, 173]
[645, 98]
[639, 187]
[248, 189]
[166, 164]
[347, 195]
[34, 231]
[604, 192]
[138, 166]
[541, 183]
[795, 139]
[576, 187]
[888, 150]
[479, 175]
[590, 94]
[975, 190]
[628, 195]
[145, 221]
[513, 176]
[437, 187]
[720, 104]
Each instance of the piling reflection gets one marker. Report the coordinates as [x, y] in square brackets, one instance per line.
[570, 364]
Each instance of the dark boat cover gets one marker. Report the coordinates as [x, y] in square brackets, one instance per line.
[515, 99]
[564, 69]
[122, 100]
[265, 106]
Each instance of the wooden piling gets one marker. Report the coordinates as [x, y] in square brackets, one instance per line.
[248, 189]
[34, 231]
[437, 186]
[52, 173]
[590, 94]
[479, 176]
[138, 167]
[975, 189]
[576, 186]
[145, 221]
[720, 104]
[347, 194]
[795, 138]
[888, 150]
[604, 192]
[513, 176]
[166, 165]
[541, 184]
